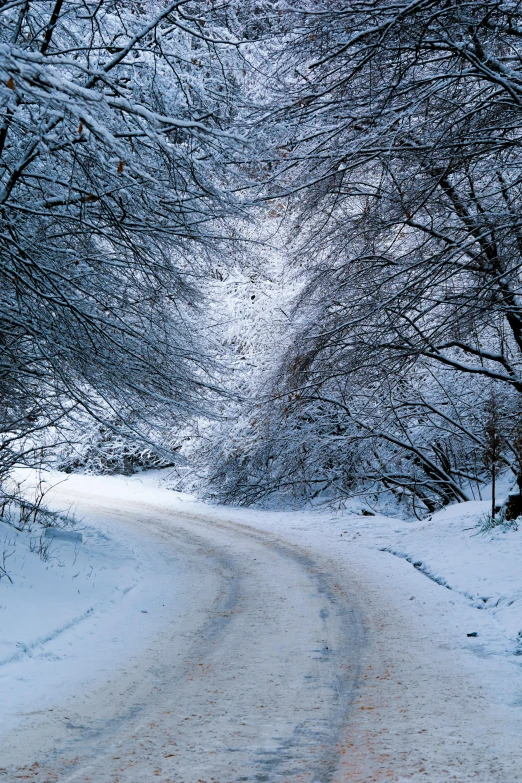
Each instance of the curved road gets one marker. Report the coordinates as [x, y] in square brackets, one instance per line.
[270, 670]
[252, 682]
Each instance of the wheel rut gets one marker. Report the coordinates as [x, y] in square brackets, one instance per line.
[253, 682]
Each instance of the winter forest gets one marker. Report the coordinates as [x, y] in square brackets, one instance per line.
[275, 246]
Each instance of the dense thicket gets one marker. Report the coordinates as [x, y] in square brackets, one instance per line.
[116, 145]
[384, 137]
[399, 145]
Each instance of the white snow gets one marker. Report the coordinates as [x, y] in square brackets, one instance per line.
[482, 567]
[477, 576]
[76, 614]
[92, 605]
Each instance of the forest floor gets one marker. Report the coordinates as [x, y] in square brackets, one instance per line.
[188, 643]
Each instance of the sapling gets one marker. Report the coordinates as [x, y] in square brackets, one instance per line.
[494, 443]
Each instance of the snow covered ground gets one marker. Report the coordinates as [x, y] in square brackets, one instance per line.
[476, 575]
[483, 570]
[76, 612]
[442, 603]
[482, 567]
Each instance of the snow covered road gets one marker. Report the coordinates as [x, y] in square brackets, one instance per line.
[284, 657]
[250, 678]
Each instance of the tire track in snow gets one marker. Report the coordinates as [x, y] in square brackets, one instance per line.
[257, 689]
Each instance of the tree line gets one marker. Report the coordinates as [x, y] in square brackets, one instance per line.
[139, 139]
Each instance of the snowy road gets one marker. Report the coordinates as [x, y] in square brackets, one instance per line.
[280, 660]
[251, 680]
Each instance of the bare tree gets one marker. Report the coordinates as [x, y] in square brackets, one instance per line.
[399, 143]
[393, 131]
[493, 452]
[116, 149]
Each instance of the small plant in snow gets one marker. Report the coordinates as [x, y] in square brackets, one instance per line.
[3, 569]
[27, 513]
[41, 546]
[489, 522]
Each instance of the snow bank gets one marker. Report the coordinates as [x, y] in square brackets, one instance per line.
[484, 567]
[75, 610]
